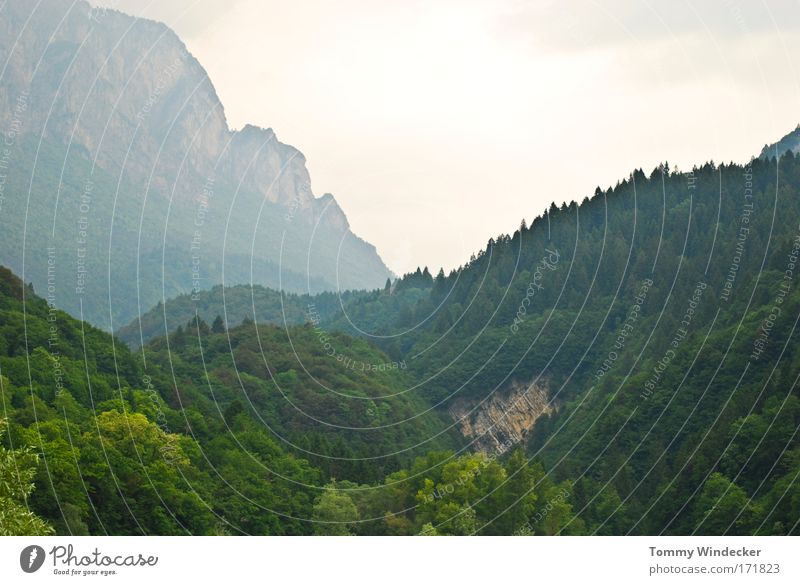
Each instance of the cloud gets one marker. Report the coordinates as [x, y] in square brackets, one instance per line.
[590, 25]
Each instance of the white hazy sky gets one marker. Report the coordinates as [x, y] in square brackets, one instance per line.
[438, 124]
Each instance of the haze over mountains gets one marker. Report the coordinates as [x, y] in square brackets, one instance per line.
[627, 364]
[122, 178]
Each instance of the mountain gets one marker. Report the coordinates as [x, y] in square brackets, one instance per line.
[122, 183]
[641, 345]
[624, 365]
[628, 365]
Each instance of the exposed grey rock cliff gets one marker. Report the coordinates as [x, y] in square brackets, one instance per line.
[503, 419]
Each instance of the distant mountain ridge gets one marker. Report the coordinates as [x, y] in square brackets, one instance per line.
[233, 304]
[790, 142]
[119, 156]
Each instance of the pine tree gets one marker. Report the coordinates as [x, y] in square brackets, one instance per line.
[218, 326]
[179, 338]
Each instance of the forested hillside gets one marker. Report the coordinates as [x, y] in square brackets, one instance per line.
[233, 305]
[659, 316]
[100, 441]
[626, 365]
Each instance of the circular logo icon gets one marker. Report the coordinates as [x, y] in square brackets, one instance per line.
[31, 558]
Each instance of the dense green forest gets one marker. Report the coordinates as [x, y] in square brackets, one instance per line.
[175, 440]
[661, 313]
[660, 316]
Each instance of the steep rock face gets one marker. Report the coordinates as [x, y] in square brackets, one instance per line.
[121, 159]
[505, 418]
[275, 171]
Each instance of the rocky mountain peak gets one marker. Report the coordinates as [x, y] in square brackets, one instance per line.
[96, 96]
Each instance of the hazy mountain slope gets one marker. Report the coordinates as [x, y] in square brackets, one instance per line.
[790, 142]
[119, 157]
[235, 304]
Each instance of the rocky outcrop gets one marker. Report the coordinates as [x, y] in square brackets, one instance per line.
[503, 419]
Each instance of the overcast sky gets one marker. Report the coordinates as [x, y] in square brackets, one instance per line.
[439, 124]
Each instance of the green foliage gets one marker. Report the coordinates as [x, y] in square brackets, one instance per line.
[17, 470]
[110, 455]
[334, 399]
[724, 508]
[334, 512]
